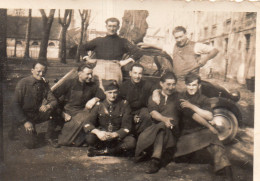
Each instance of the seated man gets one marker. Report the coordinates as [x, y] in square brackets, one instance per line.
[161, 137]
[75, 93]
[137, 91]
[109, 125]
[29, 108]
[196, 115]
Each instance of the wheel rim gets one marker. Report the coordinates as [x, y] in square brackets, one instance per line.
[226, 123]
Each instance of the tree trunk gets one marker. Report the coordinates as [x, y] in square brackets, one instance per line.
[134, 25]
[28, 35]
[47, 23]
[62, 49]
[65, 24]
[3, 55]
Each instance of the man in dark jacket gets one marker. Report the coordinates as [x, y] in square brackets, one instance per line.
[109, 125]
[197, 132]
[137, 91]
[161, 137]
[29, 107]
[76, 94]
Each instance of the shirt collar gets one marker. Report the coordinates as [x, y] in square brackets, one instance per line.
[112, 36]
[140, 84]
[34, 81]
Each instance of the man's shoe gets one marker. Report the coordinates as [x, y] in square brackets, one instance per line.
[154, 166]
[94, 152]
[53, 143]
[229, 173]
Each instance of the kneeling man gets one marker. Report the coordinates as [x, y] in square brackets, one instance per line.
[109, 124]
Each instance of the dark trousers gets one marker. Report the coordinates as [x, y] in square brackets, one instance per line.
[128, 143]
[31, 140]
[219, 156]
[145, 122]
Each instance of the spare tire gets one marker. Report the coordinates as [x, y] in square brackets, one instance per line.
[226, 124]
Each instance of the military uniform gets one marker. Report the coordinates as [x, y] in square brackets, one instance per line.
[115, 117]
[28, 98]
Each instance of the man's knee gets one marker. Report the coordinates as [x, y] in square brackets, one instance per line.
[128, 143]
[30, 141]
[91, 139]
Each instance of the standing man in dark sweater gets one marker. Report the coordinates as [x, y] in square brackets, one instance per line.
[137, 92]
[112, 47]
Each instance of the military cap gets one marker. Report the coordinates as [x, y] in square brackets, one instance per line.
[109, 84]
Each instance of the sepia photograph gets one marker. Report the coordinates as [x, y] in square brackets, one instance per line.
[128, 90]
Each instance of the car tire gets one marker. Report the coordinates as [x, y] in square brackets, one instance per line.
[226, 123]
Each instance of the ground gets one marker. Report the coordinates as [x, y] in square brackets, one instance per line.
[70, 163]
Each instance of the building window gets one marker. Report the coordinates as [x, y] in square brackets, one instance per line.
[247, 41]
[214, 30]
[35, 43]
[212, 43]
[51, 44]
[19, 43]
[228, 25]
[206, 32]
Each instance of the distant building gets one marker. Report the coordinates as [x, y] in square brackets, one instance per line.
[16, 30]
[234, 34]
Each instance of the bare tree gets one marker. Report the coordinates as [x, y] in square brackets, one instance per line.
[46, 25]
[28, 35]
[85, 17]
[65, 23]
[18, 23]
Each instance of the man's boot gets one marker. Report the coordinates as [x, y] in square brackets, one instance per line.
[229, 173]
[154, 166]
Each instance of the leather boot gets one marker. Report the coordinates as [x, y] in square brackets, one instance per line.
[154, 166]
[229, 173]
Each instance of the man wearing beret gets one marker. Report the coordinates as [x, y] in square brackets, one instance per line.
[109, 125]
[76, 95]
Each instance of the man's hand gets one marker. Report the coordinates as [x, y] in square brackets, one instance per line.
[124, 62]
[44, 108]
[167, 122]
[28, 127]
[136, 118]
[66, 116]
[102, 135]
[91, 103]
[186, 104]
[111, 136]
[213, 130]
[156, 96]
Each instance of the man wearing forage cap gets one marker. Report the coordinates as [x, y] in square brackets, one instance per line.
[109, 124]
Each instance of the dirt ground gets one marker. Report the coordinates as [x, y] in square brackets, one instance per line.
[71, 163]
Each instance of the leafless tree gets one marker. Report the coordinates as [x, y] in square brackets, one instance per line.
[46, 24]
[28, 35]
[85, 17]
[65, 23]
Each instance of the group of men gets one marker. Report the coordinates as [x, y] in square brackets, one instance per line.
[153, 121]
